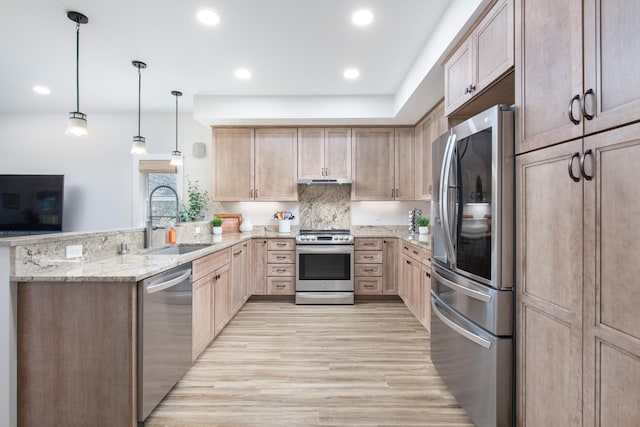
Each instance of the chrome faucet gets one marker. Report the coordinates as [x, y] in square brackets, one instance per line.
[149, 227]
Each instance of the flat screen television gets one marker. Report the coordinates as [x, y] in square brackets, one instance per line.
[31, 203]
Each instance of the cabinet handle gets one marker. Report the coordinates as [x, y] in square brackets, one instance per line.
[281, 270]
[406, 248]
[280, 286]
[367, 257]
[367, 244]
[571, 175]
[573, 119]
[256, 193]
[582, 171]
[251, 193]
[392, 192]
[237, 253]
[368, 286]
[430, 189]
[415, 252]
[584, 105]
[427, 274]
[408, 262]
[326, 170]
[281, 245]
[369, 270]
[281, 257]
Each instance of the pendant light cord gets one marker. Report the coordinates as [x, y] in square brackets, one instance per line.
[176, 122]
[77, 66]
[139, 92]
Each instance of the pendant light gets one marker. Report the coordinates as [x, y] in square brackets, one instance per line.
[176, 156]
[138, 145]
[77, 122]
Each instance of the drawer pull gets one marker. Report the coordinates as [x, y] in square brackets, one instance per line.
[281, 257]
[408, 262]
[415, 252]
[369, 286]
[280, 245]
[281, 270]
[237, 253]
[367, 244]
[368, 257]
[369, 270]
[280, 286]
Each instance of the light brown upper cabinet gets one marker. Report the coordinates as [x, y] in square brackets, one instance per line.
[482, 58]
[552, 39]
[255, 164]
[382, 164]
[324, 153]
[233, 161]
[429, 128]
[276, 164]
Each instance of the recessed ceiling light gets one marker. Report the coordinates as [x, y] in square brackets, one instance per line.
[208, 17]
[42, 90]
[243, 73]
[362, 17]
[351, 74]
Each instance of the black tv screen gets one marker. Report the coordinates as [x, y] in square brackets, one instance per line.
[31, 203]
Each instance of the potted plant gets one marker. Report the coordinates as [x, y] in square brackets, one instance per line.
[216, 224]
[423, 225]
[198, 201]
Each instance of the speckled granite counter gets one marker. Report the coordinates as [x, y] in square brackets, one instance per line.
[43, 259]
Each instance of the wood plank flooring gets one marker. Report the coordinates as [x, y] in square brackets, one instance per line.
[278, 364]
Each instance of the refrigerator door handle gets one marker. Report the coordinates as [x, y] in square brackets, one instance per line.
[459, 329]
[444, 198]
[462, 289]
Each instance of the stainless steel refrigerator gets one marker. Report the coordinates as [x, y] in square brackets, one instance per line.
[473, 264]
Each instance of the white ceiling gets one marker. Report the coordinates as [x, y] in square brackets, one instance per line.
[296, 50]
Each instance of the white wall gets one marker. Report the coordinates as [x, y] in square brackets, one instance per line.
[98, 169]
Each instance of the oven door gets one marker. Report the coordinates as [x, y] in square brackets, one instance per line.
[324, 268]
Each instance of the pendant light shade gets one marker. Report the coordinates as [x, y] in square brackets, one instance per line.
[77, 122]
[138, 145]
[176, 155]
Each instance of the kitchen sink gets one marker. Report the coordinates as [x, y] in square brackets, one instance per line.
[179, 249]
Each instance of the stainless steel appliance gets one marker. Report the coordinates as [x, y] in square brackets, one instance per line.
[473, 264]
[164, 335]
[324, 267]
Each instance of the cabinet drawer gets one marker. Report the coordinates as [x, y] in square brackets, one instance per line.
[281, 270]
[368, 257]
[367, 244]
[369, 285]
[368, 270]
[416, 252]
[281, 245]
[281, 286]
[207, 264]
[281, 257]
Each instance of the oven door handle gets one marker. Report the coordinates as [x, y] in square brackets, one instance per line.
[459, 329]
[341, 249]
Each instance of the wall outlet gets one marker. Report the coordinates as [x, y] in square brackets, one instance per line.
[74, 251]
[197, 230]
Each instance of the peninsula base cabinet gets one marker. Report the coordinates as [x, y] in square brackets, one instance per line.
[415, 281]
[578, 356]
[76, 358]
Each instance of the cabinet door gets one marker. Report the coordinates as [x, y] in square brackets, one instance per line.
[413, 285]
[458, 75]
[311, 152]
[276, 164]
[404, 161]
[549, 273]
[233, 164]
[337, 152]
[390, 266]
[548, 71]
[222, 297]
[203, 306]
[237, 271]
[247, 257]
[612, 60]
[612, 294]
[373, 164]
[259, 259]
[434, 125]
[493, 45]
[425, 274]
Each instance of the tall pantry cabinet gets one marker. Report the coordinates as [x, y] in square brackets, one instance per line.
[578, 204]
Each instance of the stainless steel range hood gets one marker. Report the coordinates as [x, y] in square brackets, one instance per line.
[315, 181]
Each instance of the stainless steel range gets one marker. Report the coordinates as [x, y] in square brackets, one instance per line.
[324, 267]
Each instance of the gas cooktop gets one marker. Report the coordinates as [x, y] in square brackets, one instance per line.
[324, 237]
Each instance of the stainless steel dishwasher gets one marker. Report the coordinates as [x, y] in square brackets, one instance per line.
[164, 335]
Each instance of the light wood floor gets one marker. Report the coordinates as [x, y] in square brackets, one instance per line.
[278, 364]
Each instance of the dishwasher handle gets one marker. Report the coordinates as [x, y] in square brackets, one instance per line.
[162, 285]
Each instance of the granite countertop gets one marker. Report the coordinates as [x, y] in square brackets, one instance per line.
[138, 265]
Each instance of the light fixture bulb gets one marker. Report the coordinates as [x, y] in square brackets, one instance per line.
[138, 145]
[77, 124]
[351, 74]
[208, 17]
[243, 73]
[362, 17]
[176, 158]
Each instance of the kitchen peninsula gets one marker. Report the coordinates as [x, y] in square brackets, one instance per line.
[77, 320]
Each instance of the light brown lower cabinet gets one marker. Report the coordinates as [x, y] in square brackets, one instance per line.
[577, 294]
[222, 298]
[281, 267]
[415, 281]
[259, 269]
[376, 266]
[237, 277]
